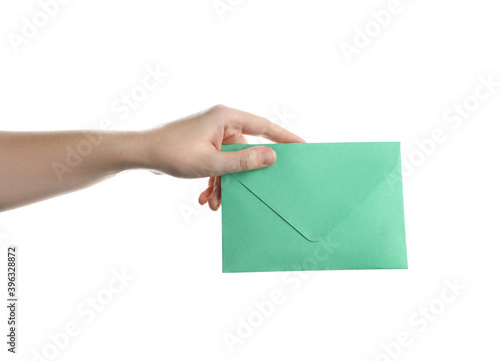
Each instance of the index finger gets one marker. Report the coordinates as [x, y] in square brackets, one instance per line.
[254, 125]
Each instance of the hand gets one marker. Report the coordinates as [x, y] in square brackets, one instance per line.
[191, 147]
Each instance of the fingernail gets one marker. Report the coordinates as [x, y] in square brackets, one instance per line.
[268, 157]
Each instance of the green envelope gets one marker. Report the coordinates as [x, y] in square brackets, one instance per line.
[320, 206]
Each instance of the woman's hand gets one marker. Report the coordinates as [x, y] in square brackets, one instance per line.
[191, 147]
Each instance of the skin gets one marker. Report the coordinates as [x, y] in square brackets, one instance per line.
[39, 165]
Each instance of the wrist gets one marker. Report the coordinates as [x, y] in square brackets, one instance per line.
[133, 150]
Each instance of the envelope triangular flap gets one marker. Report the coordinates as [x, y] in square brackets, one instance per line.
[314, 186]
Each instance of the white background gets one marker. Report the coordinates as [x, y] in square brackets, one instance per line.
[263, 57]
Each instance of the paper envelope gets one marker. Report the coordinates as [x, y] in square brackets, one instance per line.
[320, 206]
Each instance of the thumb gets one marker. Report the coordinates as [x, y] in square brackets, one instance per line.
[246, 159]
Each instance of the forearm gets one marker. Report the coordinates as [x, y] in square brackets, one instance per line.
[39, 165]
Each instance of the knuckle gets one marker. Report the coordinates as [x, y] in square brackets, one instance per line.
[218, 114]
[217, 108]
[267, 128]
[247, 160]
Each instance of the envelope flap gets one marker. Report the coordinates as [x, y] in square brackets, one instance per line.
[313, 186]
